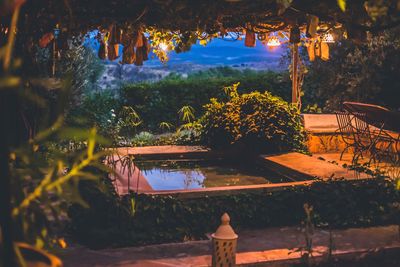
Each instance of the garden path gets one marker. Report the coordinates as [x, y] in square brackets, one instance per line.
[267, 246]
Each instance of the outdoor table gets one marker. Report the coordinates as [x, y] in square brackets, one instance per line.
[384, 125]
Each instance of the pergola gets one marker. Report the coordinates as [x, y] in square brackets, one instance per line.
[23, 23]
[183, 22]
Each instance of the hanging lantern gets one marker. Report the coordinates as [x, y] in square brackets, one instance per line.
[324, 51]
[312, 26]
[327, 38]
[261, 36]
[56, 32]
[310, 44]
[273, 41]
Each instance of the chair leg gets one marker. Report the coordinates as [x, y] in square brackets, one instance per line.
[341, 154]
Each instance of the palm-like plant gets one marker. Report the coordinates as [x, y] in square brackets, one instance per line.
[165, 126]
[186, 114]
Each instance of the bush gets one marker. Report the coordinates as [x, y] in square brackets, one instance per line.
[98, 109]
[257, 121]
[144, 139]
[146, 219]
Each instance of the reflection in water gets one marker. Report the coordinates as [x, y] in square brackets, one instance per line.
[172, 175]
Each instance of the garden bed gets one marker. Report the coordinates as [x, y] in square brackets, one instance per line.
[138, 219]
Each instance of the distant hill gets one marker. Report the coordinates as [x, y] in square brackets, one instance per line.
[216, 53]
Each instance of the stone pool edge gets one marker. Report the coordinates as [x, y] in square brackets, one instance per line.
[272, 161]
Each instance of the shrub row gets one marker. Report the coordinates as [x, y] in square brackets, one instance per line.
[145, 219]
[160, 101]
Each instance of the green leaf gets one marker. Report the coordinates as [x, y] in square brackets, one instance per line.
[342, 4]
[133, 201]
[9, 81]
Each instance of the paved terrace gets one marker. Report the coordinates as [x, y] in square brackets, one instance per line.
[268, 247]
[311, 166]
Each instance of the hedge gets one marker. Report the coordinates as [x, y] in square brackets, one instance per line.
[113, 221]
[160, 101]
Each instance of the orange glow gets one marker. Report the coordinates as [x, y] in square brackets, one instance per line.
[273, 41]
[328, 38]
[164, 47]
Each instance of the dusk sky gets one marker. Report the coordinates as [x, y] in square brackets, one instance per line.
[217, 52]
[224, 52]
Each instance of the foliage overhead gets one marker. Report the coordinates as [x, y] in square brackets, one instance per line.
[177, 24]
[210, 16]
[364, 73]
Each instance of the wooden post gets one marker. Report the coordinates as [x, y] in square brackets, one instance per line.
[295, 66]
[53, 63]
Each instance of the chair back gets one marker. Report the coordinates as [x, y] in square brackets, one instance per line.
[346, 127]
[363, 135]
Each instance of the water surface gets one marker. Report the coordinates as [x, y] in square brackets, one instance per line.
[183, 174]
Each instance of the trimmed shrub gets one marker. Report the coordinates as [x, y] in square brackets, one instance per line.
[160, 101]
[256, 121]
[145, 219]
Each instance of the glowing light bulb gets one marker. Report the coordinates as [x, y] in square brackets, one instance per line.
[273, 41]
[328, 38]
[163, 46]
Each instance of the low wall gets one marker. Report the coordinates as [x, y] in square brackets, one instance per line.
[323, 135]
[325, 143]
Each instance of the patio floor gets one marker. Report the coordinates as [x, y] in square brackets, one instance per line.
[261, 247]
[311, 166]
[391, 170]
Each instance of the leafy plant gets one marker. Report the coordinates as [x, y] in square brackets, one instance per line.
[186, 114]
[143, 139]
[37, 178]
[232, 91]
[256, 120]
[312, 109]
[44, 181]
[128, 121]
[98, 109]
[165, 125]
[308, 229]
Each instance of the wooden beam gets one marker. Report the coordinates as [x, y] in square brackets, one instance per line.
[295, 65]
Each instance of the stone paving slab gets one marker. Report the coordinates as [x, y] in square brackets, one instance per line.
[389, 169]
[255, 247]
[159, 150]
[311, 166]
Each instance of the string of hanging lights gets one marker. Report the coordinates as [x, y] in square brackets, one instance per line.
[316, 41]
